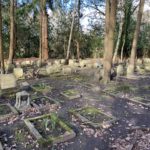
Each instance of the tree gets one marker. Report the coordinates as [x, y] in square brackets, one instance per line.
[131, 67]
[1, 46]
[12, 34]
[43, 54]
[110, 21]
[78, 31]
[70, 36]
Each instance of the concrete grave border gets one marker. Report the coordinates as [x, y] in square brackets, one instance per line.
[69, 134]
[49, 99]
[71, 97]
[105, 124]
[12, 113]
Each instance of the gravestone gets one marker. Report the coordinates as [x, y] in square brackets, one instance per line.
[8, 81]
[71, 62]
[120, 70]
[66, 70]
[130, 70]
[22, 104]
[18, 72]
[147, 67]
[57, 62]
[62, 61]
[24, 85]
[53, 69]
[82, 63]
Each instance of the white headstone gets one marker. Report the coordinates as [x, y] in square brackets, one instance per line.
[120, 70]
[18, 72]
[8, 81]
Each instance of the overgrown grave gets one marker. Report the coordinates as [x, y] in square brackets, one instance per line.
[45, 103]
[71, 94]
[42, 88]
[49, 129]
[7, 111]
[139, 95]
[93, 117]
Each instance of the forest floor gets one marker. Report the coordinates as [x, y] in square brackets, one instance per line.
[130, 131]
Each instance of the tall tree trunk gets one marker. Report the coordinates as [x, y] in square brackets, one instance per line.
[1, 47]
[45, 33]
[122, 48]
[40, 40]
[118, 39]
[43, 50]
[78, 50]
[111, 7]
[78, 29]
[12, 29]
[131, 66]
[70, 36]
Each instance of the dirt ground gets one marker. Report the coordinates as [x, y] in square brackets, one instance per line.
[130, 116]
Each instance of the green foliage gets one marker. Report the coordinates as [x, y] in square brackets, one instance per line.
[144, 44]
[91, 42]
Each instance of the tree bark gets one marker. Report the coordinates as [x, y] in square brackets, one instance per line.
[135, 38]
[70, 36]
[78, 50]
[40, 46]
[111, 6]
[122, 49]
[45, 36]
[1, 47]
[78, 29]
[118, 39]
[43, 50]
[12, 36]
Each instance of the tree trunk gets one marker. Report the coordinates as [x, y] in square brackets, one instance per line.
[43, 50]
[122, 49]
[135, 39]
[40, 46]
[78, 29]
[119, 39]
[70, 36]
[78, 50]
[111, 7]
[12, 36]
[1, 47]
[45, 36]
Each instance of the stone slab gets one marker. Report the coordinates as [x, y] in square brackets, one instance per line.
[8, 81]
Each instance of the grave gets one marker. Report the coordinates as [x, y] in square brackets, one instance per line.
[120, 70]
[45, 103]
[71, 94]
[22, 100]
[24, 85]
[8, 81]
[93, 117]
[49, 129]
[18, 73]
[7, 111]
[42, 87]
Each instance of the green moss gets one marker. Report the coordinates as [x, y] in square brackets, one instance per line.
[71, 92]
[42, 87]
[90, 110]
[54, 120]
